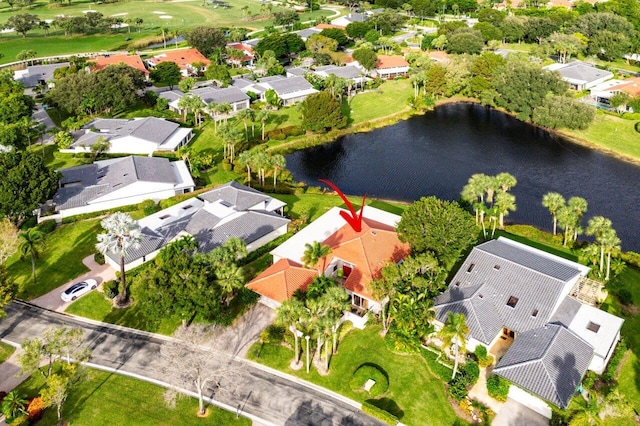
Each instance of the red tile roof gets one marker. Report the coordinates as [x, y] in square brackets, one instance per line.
[280, 280]
[133, 61]
[631, 87]
[325, 26]
[183, 58]
[391, 62]
[249, 54]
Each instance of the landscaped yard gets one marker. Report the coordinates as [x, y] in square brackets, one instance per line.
[5, 351]
[415, 394]
[108, 398]
[390, 98]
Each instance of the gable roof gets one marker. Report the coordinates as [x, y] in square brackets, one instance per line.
[150, 129]
[579, 72]
[549, 361]
[500, 269]
[214, 95]
[283, 86]
[281, 280]
[134, 61]
[238, 196]
[83, 184]
[183, 58]
[34, 74]
[394, 61]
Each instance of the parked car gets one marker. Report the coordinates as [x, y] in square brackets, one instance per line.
[78, 289]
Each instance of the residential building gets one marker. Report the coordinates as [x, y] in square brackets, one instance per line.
[118, 182]
[132, 136]
[603, 92]
[102, 61]
[230, 210]
[185, 59]
[38, 75]
[308, 32]
[290, 89]
[247, 52]
[580, 75]
[350, 72]
[529, 308]
[391, 66]
[211, 95]
[356, 258]
[347, 19]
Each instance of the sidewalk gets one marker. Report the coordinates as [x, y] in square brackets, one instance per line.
[9, 371]
[100, 273]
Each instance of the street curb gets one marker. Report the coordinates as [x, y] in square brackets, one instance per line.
[305, 383]
[238, 410]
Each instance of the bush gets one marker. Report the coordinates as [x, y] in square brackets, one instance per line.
[35, 409]
[110, 289]
[272, 334]
[48, 226]
[379, 413]
[149, 207]
[99, 258]
[609, 374]
[366, 372]
[498, 388]
[20, 421]
[226, 165]
[625, 297]
[457, 389]
[470, 373]
[276, 135]
[631, 257]
[589, 379]
[293, 131]
[484, 359]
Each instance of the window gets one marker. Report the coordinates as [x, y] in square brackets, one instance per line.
[496, 267]
[457, 283]
[512, 302]
[592, 326]
[473, 265]
[534, 313]
[187, 207]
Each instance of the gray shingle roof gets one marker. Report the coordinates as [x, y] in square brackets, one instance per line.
[40, 73]
[152, 129]
[581, 71]
[348, 71]
[239, 196]
[307, 32]
[549, 361]
[289, 85]
[82, 184]
[484, 292]
[566, 311]
[229, 95]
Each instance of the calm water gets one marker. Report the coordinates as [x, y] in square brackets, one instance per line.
[436, 153]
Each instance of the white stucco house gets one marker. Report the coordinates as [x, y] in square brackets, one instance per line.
[135, 136]
[211, 95]
[230, 210]
[118, 182]
[580, 75]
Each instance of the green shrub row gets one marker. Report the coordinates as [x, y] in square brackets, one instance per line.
[146, 205]
[48, 226]
[609, 374]
[379, 413]
[282, 133]
[498, 388]
[440, 370]
[254, 255]
[366, 372]
[630, 257]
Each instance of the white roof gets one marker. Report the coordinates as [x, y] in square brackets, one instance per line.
[605, 86]
[608, 328]
[297, 94]
[325, 226]
[174, 140]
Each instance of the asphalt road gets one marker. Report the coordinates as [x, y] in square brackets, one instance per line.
[265, 395]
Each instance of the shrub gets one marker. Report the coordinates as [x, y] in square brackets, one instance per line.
[498, 388]
[610, 372]
[20, 421]
[110, 289]
[366, 372]
[48, 226]
[457, 389]
[293, 131]
[149, 207]
[272, 334]
[35, 408]
[637, 126]
[631, 257]
[99, 258]
[589, 379]
[379, 413]
[625, 297]
[484, 359]
[276, 135]
[226, 165]
[469, 373]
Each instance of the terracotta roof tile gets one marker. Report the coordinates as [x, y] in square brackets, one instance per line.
[133, 61]
[391, 62]
[183, 58]
[280, 280]
[630, 86]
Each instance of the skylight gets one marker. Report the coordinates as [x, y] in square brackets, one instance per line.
[512, 302]
[592, 326]
[473, 265]
[187, 207]
[496, 267]
[534, 313]
[166, 216]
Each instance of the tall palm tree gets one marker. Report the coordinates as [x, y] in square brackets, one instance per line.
[566, 220]
[553, 201]
[31, 243]
[262, 116]
[578, 206]
[289, 315]
[454, 332]
[122, 233]
[599, 226]
[224, 108]
[278, 162]
[335, 300]
[246, 159]
[245, 115]
[611, 243]
[505, 203]
[313, 253]
[230, 279]
[506, 181]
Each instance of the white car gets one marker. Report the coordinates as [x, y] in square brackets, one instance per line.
[78, 289]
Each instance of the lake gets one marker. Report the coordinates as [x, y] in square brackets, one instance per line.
[435, 154]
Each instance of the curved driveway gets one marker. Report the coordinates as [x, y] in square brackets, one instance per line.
[274, 398]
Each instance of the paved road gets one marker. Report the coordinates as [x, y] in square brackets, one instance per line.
[276, 399]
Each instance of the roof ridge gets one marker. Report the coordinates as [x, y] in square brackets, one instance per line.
[519, 264]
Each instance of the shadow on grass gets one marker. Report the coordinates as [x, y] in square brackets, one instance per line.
[388, 405]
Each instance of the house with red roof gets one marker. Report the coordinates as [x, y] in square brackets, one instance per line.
[247, 55]
[356, 259]
[184, 58]
[391, 66]
[602, 93]
[103, 61]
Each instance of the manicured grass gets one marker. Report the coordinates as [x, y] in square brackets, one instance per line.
[5, 351]
[60, 261]
[56, 160]
[539, 239]
[108, 398]
[185, 15]
[611, 133]
[390, 98]
[415, 395]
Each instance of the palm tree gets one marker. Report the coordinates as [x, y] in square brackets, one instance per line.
[553, 201]
[13, 404]
[224, 108]
[611, 243]
[578, 206]
[246, 159]
[123, 233]
[246, 115]
[278, 162]
[31, 243]
[313, 253]
[262, 116]
[505, 203]
[289, 315]
[454, 332]
[336, 300]
[230, 279]
[566, 219]
[506, 181]
[599, 226]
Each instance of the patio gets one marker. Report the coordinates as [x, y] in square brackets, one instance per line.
[501, 346]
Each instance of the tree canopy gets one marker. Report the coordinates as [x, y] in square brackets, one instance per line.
[322, 112]
[167, 73]
[206, 39]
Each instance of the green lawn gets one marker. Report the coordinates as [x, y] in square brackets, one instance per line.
[184, 15]
[61, 260]
[108, 398]
[56, 160]
[415, 395]
[5, 351]
[95, 306]
[390, 98]
[611, 133]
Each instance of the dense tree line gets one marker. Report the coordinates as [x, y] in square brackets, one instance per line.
[16, 126]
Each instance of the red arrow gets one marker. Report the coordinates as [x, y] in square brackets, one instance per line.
[354, 219]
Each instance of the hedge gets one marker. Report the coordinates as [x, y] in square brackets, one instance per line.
[498, 388]
[366, 372]
[131, 208]
[610, 372]
[379, 413]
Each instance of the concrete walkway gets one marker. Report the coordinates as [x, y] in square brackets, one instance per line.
[479, 393]
[10, 372]
[100, 273]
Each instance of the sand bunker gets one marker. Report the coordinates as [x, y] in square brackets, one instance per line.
[159, 13]
[121, 14]
[166, 17]
[89, 11]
